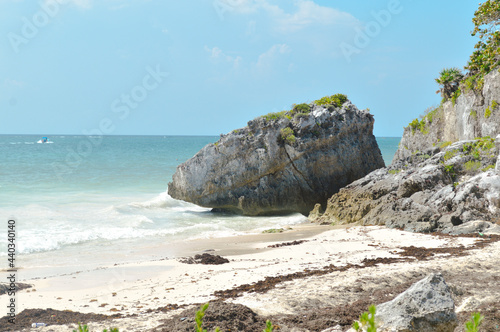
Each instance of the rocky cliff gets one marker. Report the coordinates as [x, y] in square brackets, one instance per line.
[444, 176]
[456, 190]
[282, 162]
[475, 112]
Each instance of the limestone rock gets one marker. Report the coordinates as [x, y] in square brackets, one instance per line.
[425, 306]
[282, 164]
[473, 114]
[455, 186]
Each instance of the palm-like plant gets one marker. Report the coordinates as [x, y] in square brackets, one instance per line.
[449, 79]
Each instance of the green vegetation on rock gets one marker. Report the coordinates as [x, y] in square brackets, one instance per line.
[445, 144]
[455, 96]
[336, 100]
[488, 168]
[276, 116]
[421, 125]
[485, 58]
[449, 80]
[492, 107]
[303, 110]
[449, 154]
[450, 170]
[480, 144]
[472, 166]
[287, 135]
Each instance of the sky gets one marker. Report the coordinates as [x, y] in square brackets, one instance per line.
[206, 67]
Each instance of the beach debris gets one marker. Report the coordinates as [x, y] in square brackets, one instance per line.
[226, 316]
[38, 324]
[206, 259]
[284, 244]
[426, 306]
[4, 287]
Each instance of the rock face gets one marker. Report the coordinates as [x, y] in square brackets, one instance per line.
[448, 191]
[425, 306]
[473, 114]
[281, 163]
[432, 183]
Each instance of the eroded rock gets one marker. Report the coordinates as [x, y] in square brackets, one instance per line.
[426, 306]
[281, 164]
[442, 192]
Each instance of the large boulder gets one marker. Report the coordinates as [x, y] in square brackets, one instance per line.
[426, 306]
[283, 162]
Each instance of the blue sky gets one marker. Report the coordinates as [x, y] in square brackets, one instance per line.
[205, 67]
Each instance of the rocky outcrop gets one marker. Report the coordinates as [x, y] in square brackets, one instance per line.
[425, 306]
[453, 189]
[283, 162]
[475, 113]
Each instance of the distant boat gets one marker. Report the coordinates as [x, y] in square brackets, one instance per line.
[44, 140]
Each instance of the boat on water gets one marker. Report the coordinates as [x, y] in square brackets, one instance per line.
[45, 140]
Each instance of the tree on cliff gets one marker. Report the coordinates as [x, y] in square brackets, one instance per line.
[449, 80]
[486, 56]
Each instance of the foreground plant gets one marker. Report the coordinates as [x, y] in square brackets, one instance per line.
[199, 319]
[85, 328]
[474, 323]
[366, 320]
[269, 326]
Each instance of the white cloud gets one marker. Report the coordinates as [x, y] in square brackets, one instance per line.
[13, 83]
[217, 55]
[84, 4]
[119, 7]
[307, 13]
[268, 58]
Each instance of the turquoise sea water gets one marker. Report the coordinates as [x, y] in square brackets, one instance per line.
[83, 194]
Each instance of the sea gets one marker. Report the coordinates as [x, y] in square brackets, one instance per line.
[82, 201]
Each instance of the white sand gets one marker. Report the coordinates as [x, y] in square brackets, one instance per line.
[135, 288]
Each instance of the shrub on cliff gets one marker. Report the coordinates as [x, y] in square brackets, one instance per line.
[486, 56]
[336, 100]
[287, 135]
[449, 80]
[301, 108]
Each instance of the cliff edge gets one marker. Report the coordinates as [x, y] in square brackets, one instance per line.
[474, 111]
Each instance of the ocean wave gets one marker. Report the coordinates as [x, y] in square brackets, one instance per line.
[30, 242]
[164, 201]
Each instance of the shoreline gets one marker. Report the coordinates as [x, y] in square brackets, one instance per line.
[140, 289]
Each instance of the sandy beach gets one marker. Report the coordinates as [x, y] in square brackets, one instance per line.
[360, 262]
